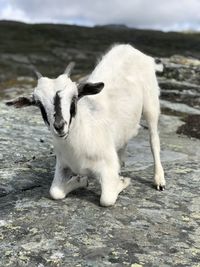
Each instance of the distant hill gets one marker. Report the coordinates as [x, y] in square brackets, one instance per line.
[50, 46]
[113, 26]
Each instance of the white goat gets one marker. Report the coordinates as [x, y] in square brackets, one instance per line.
[91, 123]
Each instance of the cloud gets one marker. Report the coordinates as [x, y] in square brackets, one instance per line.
[155, 14]
[10, 13]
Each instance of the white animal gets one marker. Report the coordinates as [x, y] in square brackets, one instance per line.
[91, 123]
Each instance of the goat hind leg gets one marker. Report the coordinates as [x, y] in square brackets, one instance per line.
[152, 120]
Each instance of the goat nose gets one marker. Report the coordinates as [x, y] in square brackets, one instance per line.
[59, 126]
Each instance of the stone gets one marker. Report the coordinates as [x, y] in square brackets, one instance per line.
[144, 228]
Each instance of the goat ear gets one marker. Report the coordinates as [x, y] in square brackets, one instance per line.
[89, 89]
[21, 102]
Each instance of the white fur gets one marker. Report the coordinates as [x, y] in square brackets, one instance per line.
[105, 122]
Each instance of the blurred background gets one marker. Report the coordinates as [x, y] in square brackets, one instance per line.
[50, 34]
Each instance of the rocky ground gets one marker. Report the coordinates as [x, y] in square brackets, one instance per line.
[145, 228]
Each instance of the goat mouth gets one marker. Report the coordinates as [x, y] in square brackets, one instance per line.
[64, 135]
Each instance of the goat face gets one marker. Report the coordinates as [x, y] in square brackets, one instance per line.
[57, 100]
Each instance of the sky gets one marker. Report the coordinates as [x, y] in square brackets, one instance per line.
[166, 15]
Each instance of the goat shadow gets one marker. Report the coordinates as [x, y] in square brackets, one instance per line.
[34, 178]
[34, 181]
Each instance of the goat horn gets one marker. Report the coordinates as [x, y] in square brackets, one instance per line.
[69, 68]
[38, 74]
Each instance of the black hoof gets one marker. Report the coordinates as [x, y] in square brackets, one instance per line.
[161, 187]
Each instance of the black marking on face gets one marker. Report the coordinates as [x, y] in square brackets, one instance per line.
[57, 105]
[73, 108]
[59, 122]
[43, 112]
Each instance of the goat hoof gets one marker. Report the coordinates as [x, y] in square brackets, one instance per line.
[107, 202]
[56, 193]
[159, 181]
[125, 181]
[160, 187]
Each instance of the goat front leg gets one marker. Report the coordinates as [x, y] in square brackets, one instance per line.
[111, 186]
[111, 183]
[64, 182]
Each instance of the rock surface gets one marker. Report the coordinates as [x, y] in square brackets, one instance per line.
[145, 228]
